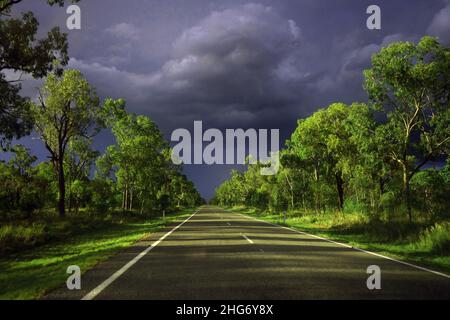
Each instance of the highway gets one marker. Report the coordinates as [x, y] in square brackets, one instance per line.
[216, 254]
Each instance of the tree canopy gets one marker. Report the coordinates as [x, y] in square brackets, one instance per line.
[22, 53]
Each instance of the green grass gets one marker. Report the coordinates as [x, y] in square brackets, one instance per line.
[420, 243]
[29, 274]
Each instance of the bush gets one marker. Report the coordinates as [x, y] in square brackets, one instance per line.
[390, 203]
[30, 200]
[19, 237]
[429, 193]
[352, 206]
[102, 196]
[436, 239]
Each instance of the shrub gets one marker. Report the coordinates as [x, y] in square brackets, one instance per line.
[15, 237]
[352, 206]
[102, 197]
[436, 239]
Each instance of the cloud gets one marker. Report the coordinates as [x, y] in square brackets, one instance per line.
[440, 25]
[124, 30]
[246, 65]
[113, 82]
[347, 79]
[239, 62]
[29, 86]
[231, 58]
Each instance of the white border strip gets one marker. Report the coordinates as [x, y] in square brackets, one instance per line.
[91, 295]
[348, 246]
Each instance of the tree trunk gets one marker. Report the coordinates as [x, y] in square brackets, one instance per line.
[62, 189]
[304, 202]
[70, 197]
[125, 203]
[340, 189]
[131, 200]
[381, 183]
[407, 193]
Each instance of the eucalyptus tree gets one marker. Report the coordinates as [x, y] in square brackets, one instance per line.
[68, 110]
[138, 158]
[324, 140]
[410, 83]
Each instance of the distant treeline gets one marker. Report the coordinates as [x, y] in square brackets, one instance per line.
[369, 158]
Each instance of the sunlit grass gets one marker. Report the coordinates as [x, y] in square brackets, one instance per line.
[32, 273]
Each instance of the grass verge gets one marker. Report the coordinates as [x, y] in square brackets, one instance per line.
[31, 273]
[422, 245]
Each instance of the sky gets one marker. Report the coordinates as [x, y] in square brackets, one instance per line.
[231, 64]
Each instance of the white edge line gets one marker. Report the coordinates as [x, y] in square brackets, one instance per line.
[246, 238]
[92, 294]
[351, 247]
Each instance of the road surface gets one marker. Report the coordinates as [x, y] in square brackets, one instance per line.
[217, 254]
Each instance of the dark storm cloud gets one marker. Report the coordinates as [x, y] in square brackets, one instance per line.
[237, 62]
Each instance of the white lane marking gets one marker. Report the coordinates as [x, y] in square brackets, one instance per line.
[246, 238]
[91, 295]
[355, 248]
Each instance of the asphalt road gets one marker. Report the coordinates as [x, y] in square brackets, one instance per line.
[221, 255]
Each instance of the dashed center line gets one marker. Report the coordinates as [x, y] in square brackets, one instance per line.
[246, 238]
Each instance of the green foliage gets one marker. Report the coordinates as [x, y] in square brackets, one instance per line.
[410, 84]
[22, 186]
[16, 237]
[436, 239]
[344, 158]
[430, 193]
[140, 164]
[21, 52]
[135, 173]
[102, 195]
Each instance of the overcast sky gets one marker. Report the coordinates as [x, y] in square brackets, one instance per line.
[231, 64]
